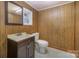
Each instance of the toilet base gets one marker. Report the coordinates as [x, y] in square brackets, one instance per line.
[42, 50]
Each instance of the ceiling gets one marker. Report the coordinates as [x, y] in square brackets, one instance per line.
[41, 5]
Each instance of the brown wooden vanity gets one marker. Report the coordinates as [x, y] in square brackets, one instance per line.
[21, 49]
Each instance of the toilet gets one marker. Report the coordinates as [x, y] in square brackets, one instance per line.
[41, 45]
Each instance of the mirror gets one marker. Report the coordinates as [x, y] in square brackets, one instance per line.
[14, 13]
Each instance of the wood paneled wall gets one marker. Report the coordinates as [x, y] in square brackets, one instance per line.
[77, 27]
[3, 44]
[9, 29]
[56, 25]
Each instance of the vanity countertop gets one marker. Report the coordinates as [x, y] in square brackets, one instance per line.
[18, 37]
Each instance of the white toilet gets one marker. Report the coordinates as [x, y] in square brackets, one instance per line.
[41, 45]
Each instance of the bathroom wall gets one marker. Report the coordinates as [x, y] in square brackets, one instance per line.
[77, 27]
[56, 25]
[3, 44]
[9, 29]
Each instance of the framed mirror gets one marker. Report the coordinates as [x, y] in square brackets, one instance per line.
[13, 13]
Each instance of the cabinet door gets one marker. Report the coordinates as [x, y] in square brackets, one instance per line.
[26, 49]
[22, 52]
[30, 50]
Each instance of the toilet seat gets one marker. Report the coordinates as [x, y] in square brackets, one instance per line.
[42, 43]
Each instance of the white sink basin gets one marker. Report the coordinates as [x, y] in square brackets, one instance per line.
[19, 36]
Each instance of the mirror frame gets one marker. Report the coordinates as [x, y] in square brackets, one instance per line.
[6, 13]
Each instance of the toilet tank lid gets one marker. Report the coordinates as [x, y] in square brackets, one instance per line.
[35, 33]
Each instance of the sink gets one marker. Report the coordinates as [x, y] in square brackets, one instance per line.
[19, 36]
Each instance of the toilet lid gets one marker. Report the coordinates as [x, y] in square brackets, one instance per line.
[42, 42]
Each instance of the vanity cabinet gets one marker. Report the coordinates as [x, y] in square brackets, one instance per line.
[21, 49]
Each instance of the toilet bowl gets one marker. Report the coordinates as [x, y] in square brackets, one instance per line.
[41, 45]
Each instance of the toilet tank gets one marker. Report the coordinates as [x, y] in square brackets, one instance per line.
[36, 35]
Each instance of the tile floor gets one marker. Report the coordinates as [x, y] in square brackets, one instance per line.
[54, 53]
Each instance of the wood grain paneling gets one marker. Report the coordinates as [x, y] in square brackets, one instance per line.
[3, 44]
[56, 25]
[9, 29]
[77, 27]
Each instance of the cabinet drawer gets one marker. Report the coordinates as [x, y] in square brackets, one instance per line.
[20, 44]
[25, 42]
